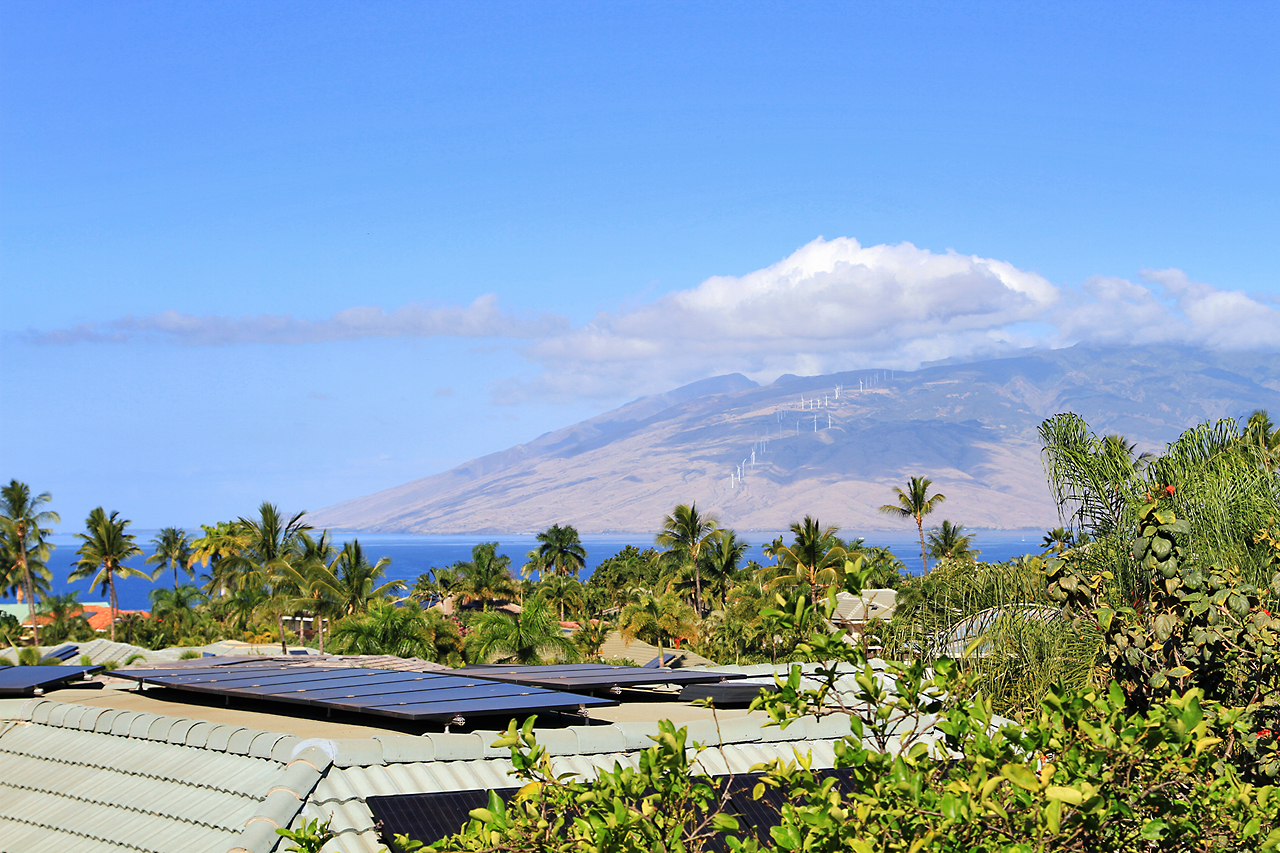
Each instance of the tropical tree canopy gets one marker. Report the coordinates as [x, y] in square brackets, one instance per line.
[915, 502]
[173, 550]
[657, 619]
[560, 548]
[358, 579]
[683, 534]
[405, 630]
[531, 636]
[271, 546]
[23, 528]
[487, 577]
[950, 541]
[815, 558]
[104, 547]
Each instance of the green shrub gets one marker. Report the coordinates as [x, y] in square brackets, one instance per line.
[934, 770]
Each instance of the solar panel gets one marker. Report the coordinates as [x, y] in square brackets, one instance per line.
[591, 676]
[411, 696]
[26, 680]
[431, 817]
[726, 694]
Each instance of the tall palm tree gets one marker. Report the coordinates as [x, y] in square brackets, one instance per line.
[721, 556]
[683, 534]
[273, 546]
[560, 547]
[531, 637]
[487, 577]
[950, 541]
[23, 525]
[173, 549]
[105, 546]
[222, 540]
[915, 502]
[815, 558]
[312, 574]
[357, 578]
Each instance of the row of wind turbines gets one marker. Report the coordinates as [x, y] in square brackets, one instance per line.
[827, 401]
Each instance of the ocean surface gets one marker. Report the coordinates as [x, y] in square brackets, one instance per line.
[411, 555]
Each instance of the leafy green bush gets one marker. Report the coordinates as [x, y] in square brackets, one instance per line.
[934, 770]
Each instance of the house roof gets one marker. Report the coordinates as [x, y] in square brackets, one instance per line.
[105, 771]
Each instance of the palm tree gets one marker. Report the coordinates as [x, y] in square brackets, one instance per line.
[657, 620]
[949, 541]
[1262, 436]
[487, 577]
[65, 617]
[532, 636]
[591, 636]
[314, 578]
[404, 630]
[564, 590]
[815, 558]
[105, 547]
[683, 534]
[173, 549]
[24, 528]
[721, 555]
[1057, 540]
[243, 604]
[175, 608]
[273, 545]
[356, 578]
[561, 548]
[915, 502]
[222, 540]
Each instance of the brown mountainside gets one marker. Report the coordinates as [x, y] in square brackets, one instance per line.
[969, 427]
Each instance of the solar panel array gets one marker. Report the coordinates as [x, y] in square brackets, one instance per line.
[26, 680]
[430, 817]
[594, 676]
[412, 696]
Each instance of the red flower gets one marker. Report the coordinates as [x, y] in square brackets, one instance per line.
[1169, 489]
[1264, 733]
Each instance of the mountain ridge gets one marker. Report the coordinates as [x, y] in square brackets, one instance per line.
[969, 427]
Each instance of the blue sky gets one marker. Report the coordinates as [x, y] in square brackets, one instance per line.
[304, 251]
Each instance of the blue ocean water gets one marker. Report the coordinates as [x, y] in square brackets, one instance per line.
[411, 555]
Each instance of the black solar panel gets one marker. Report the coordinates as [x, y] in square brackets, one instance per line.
[412, 696]
[588, 676]
[26, 680]
[430, 817]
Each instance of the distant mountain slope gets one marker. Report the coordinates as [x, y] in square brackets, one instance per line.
[969, 427]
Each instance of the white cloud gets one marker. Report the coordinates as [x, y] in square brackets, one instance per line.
[836, 305]
[481, 319]
[831, 305]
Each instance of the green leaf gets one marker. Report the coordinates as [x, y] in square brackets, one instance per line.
[1070, 796]
[1154, 830]
[1179, 672]
[724, 823]
[786, 837]
[1053, 816]
[1021, 775]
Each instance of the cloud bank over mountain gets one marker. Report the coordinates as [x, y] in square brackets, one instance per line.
[831, 305]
